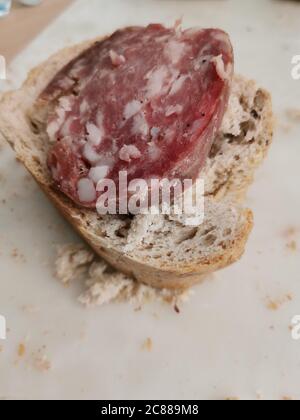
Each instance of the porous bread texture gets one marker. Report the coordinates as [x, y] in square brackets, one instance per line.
[164, 239]
[242, 143]
[72, 261]
[104, 285]
[159, 251]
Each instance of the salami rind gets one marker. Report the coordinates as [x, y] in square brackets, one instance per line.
[148, 101]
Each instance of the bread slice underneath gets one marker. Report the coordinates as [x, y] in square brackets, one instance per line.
[157, 250]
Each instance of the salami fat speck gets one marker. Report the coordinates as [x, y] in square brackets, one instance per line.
[148, 101]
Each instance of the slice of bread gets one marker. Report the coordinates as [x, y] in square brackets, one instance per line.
[156, 250]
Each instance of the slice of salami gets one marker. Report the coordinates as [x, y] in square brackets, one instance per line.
[148, 101]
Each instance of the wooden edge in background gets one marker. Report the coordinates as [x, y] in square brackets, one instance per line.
[24, 23]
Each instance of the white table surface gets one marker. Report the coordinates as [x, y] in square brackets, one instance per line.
[226, 341]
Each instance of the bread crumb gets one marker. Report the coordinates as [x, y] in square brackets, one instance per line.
[21, 350]
[30, 309]
[42, 363]
[292, 246]
[274, 305]
[286, 398]
[72, 262]
[40, 360]
[293, 114]
[105, 285]
[17, 255]
[290, 232]
[147, 345]
[33, 359]
[232, 399]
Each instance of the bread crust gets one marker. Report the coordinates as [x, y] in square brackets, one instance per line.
[31, 150]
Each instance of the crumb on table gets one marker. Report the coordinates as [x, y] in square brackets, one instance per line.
[105, 285]
[148, 344]
[290, 232]
[30, 309]
[275, 304]
[21, 350]
[290, 235]
[293, 114]
[292, 245]
[17, 255]
[41, 361]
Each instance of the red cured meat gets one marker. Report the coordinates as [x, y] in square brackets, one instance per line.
[148, 101]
